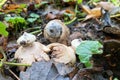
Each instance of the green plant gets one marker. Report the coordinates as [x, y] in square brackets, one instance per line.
[33, 17]
[4, 62]
[78, 1]
[3, 29]
[18, 23]
[2, 3]
[86, 49]
[115, 2]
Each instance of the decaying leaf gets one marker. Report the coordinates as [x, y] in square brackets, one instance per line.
[3, 77]
[111, 32]
[69, 12]
[2, 40]
[87, 75]
[12, 7]
[50, 16]
[56, 31]
[92, 13]
[37, 1]
[115, 10]
[111, 46]
[46, 71]
[75, 35]
[106, 5]
[62, 53]
[111, 53]
[30, 51]
[1, 56]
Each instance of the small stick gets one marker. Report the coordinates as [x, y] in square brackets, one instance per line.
[14, 74]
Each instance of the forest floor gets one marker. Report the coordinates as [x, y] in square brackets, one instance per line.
[86, 34]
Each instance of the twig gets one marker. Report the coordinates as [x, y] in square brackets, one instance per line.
[16, 64]
[113, 16]
[70, 21]
[14, 74]
[35, 32]
[4, 56]
[9, 63]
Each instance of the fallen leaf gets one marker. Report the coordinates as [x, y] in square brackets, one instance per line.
[22, 1]
[31, 6]
[12, 6]
[111, 46]
[1, 56]
[46, 71]
[50, 16]
[75, 35]
[111, 32]
[70, 2]
[115, 10]
[37, 1]
[3, 42]
[5, 77]
[106, 5]
[86, 9]
[111, 53]
[92, 13]
[70, 12]
[56, 31]
[86, 74]
[62, 53]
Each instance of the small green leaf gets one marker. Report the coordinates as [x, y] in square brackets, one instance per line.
[3, 29]
[31, 19]
[86, 49]
[2, 2]
[33, 15]
[67, 0]
[1, 64]
[79, 1]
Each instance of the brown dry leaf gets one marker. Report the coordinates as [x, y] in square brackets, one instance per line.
[86, 9]
[50, 16]
[22, 1]
[92, 13]
[56, 31]
[111, 33]
[62, 53]
[68, 11]
[12, 6]
[37, 1]
[27, 1]
[70, 2]
[75, 35]
[3, 42]
[1, 55]
[106, 5]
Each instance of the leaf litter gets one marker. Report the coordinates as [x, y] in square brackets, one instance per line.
[60, 27]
